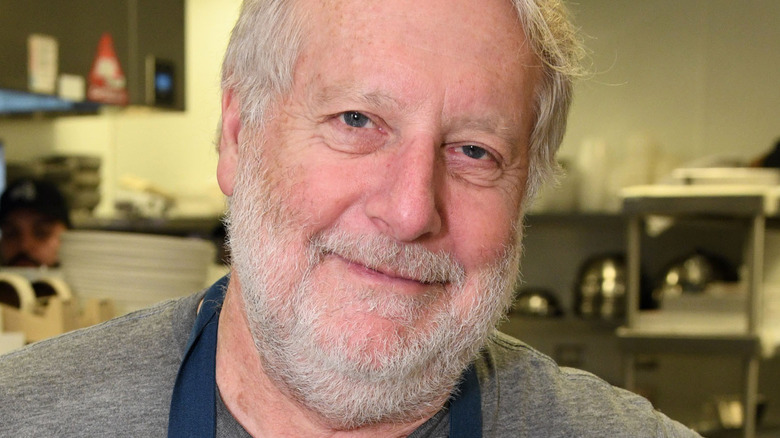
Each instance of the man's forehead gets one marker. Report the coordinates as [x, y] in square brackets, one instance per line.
[431, 18]
[403, 35]
[27, 216]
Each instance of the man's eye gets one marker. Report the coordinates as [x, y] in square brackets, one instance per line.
[474, 152]
[42, 233]
[355, 119]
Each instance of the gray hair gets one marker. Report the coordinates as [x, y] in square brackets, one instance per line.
[266, 40]
[261, 54]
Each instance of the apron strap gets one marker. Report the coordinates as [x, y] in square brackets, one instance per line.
[193, 403]
[466, 408]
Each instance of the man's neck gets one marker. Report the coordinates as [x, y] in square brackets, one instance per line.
[254, 399]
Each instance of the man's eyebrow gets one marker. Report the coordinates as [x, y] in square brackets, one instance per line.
[373, 99]
[489, 125]
[501, 127]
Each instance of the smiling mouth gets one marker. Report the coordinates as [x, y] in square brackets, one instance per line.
[387, 260]
[386, 271]
[396, 275]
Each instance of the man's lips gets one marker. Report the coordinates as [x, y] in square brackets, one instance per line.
[388, 260]
[383, 271]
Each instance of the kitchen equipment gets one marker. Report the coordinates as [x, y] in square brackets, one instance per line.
[729, 412]
[47, 287]
[140, 198]
[45, 282]
[16, 291]
[600, 289]
[693, 273]
[77, 176]
[536, 302]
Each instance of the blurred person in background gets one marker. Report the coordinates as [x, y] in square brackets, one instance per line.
[33, 216]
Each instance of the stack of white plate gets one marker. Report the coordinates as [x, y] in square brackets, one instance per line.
[134, 270]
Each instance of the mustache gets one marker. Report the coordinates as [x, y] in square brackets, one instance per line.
[23, 259]
[384, 254]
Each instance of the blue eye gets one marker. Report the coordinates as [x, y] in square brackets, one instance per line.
[355, 119]
[474, 152]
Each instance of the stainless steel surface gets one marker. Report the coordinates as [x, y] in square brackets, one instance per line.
[536, 302]
[601, 288]
[737, 205]
[694, 273]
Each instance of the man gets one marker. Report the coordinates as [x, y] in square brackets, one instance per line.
[33, 216]
[377, 156]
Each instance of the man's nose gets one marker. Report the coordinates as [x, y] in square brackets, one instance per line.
[406, 203]
[27, 242]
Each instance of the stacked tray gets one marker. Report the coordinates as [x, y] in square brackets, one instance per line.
[134, 270]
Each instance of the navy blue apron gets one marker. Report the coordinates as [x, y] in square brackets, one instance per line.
[193, 405]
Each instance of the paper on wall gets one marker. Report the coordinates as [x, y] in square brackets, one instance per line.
[42, 63]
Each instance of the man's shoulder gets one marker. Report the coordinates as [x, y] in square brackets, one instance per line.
[512, 360]
[92, 372]
[532, 396]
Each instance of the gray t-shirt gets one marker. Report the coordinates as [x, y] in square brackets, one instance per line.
[115, 379]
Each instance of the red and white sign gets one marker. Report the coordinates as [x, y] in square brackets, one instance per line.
[107, 82]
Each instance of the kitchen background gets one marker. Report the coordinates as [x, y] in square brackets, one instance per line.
[673, 83]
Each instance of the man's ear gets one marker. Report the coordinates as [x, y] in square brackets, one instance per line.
[228, 142]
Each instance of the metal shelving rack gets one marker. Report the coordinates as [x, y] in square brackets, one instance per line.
[750, 203]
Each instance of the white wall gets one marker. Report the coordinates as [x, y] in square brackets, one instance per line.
[698, 77]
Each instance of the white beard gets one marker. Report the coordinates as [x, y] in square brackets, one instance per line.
[349, 374]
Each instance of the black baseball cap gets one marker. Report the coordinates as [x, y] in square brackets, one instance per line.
[36, 195]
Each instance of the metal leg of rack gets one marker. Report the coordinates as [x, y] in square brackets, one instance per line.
[633, 266]
[634, 239]
[755, 280]
[755, 258]
[750, 396]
